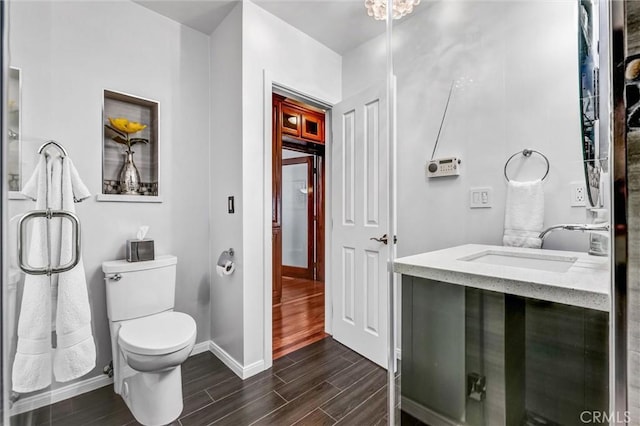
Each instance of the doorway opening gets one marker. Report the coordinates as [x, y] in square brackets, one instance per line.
[298, 212]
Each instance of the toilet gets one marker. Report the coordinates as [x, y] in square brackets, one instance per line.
[149, 340]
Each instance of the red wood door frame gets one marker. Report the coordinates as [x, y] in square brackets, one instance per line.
[308, 147]
[276, 205]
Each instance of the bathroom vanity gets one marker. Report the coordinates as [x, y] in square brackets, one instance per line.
[491, 310]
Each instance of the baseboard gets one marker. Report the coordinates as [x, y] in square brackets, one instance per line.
[201, 347]
[253, 369]
[241, 371]
[56, 395]
[425, 414]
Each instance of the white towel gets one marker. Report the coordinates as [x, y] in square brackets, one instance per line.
[54, 202]
[32, 364]
[76, 351]
[80, 190]
[524, 214]
[55, 184]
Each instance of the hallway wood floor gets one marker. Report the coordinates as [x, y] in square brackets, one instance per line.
[324, 383]
[299, 320]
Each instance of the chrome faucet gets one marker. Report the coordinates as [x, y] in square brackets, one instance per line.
[593, 227]
[598, 245]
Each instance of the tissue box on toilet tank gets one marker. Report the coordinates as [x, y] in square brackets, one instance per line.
[139, 250]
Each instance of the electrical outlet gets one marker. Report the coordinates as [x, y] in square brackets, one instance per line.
[578, 194]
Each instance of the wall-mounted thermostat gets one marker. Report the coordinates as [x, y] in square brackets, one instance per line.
[443, 167]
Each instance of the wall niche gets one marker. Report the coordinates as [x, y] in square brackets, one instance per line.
[130, 148]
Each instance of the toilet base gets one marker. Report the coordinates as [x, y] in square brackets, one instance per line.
[154, 398]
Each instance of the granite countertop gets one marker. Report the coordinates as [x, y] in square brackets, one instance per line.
[585, 284]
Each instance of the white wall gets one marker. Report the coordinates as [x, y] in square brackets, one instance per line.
[226, 180]
[313, 69]
[516, 68]
[69, 52]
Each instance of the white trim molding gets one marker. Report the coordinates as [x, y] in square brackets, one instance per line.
[282, 82]
[267, 237]
[201, 347]
[119, 198]
[241, 371]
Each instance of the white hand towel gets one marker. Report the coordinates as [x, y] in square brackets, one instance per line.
[37, 182]
[80, 190]
[524, 214]
[75, 355]
[54, 202]
[32, 364]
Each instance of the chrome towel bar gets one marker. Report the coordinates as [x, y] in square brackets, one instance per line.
[48, 214]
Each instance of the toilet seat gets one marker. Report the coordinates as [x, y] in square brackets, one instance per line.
[157, 334]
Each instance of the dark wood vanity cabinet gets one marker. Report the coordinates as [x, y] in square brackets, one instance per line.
[499, 359]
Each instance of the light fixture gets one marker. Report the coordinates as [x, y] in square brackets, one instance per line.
[378, 8]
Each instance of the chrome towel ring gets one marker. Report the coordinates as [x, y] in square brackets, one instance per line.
[527, 153]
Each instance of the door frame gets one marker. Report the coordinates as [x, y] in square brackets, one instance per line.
[297, 271]
[315, 216]
[4, 213]
[272, 81]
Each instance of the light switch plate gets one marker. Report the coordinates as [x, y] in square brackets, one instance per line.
[481, 198]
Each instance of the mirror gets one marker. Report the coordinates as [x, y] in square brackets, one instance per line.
[588, 63]
[13, 126]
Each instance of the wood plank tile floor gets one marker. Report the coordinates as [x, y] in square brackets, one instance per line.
[324, 383]
[299, 319]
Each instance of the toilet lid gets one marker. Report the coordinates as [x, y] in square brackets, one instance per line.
[157, 334]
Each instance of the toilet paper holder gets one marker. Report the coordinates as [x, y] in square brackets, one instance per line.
[224, 256]
[225, 265]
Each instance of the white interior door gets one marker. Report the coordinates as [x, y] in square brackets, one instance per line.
[359, 212]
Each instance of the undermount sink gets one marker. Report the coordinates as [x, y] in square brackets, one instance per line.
[543, 262]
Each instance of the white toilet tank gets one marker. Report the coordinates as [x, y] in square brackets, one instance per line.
[138, 289]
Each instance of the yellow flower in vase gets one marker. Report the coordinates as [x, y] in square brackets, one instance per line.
[129, 175]
[124, 129]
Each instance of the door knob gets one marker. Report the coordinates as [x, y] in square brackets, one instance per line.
[384, 239]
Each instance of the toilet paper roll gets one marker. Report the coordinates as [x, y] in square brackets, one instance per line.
[226, 269]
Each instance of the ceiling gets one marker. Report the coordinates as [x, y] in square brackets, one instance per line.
[340, 25]
[201, 15]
